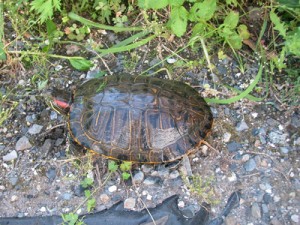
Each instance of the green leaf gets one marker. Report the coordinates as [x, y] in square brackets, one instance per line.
[2, 52]
[293, 42]
[86, 182]
[229, 2]
[178, 20]
[290, 3]
[243, 32]
[91, 203]
[153, 4]
[279, 26]
[234, 40]
[45, 8]
[126, 166]
[203, 11]
[51, 27]
[176, 2]
[70, 218]
[112, 166]
[87, 193]
[125, 175]
[231, 20]
[81, 63]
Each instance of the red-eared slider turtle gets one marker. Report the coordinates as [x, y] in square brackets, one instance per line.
[137, 119]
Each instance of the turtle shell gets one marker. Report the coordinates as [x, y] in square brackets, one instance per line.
[139, 119]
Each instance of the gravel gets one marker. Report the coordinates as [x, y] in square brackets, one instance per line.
[23, 143]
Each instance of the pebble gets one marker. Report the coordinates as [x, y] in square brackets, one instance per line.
[163, 171]
[53, 115]
[276, 137]
[174, 174]
[256, 211]
[276, 198]
[241, 126]
[284, 150]
[35, 129]
[232, 178]
[275, 221]
[230, 220]
[14, 198]
[112, 188]
[43, 209]
[171, 60]
[78, 190]
[295, 218]
[67, 196]
[51, 174]
[234, 146]
[147, 168]
[10, 156]
[13, 179]
[264, 208]
[149, 197]
[181, 204]
[59, 142]
[250, 165]
[152, 180]
[267, 198]
[31, 118]
[104, 198]
[138, 177]
[297, 141]
[23, 143]
[47, 146]
[226, 137]
[262, 135]
[129, 203]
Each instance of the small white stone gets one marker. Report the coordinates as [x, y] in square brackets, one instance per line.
[10, 156]
[90, 175]
[43, 209]
[149, 197]
[232, 178]
[295, 218]
[129, 203]
[280, 127]
[245, 157]
[269, 191]
[79, 211]
[2, 188]
[58, 67]
[144, 193]
[226, 137]
[112, 188]
[181, 204]
[276, 198]
[292, 174]
[254, 115]
[171, 60]
[14, 198]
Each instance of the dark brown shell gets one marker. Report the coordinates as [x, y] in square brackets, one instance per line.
[139, 119]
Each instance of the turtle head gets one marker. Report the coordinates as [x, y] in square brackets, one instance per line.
[60, 100]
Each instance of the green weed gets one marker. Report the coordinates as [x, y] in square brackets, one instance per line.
[125, 168]
[202, 188]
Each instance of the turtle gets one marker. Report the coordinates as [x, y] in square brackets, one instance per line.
[136, 118]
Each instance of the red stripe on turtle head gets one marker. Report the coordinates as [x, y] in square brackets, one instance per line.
[61, 104]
